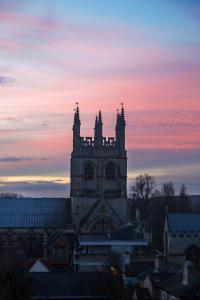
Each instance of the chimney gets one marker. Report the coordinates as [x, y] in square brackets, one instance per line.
[156, 263]
[185, 272]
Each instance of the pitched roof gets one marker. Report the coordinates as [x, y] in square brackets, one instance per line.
[166, 271]
[184, 221]
[35, 212]
[40, 265]
[175, 287]
[139, 268]
[95, 206]
[72, 285]
[126, 232]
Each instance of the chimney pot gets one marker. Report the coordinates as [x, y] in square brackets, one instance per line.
[185, 272]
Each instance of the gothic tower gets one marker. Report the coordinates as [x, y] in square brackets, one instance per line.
[99, 177]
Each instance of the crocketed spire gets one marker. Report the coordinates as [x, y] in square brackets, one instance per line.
[76, 116]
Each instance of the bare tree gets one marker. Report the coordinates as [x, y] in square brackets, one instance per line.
[14, 283]
[168, 189]
[144, 190]
[184, 204]
[168, 193]
[10, 195]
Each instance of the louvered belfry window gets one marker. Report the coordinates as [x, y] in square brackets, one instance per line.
[89, 171]
[110, 171]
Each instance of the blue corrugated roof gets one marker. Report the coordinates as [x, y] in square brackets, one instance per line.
[184, 222]
[35, 212]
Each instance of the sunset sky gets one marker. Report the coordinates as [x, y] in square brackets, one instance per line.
[145, 53]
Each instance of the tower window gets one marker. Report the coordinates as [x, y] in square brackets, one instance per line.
[110, 171]
[89, 172]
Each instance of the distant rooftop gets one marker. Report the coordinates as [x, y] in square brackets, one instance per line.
[184, 221]
[35, 212]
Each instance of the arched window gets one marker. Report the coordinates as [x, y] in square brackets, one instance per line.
[104, 224]
[110, 171]
[89, 171]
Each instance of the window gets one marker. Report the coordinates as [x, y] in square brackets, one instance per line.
[89, 172]
[110, 171]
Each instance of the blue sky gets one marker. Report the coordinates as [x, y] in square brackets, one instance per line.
[99, 53]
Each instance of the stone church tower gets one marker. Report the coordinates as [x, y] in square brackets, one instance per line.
[99, 177]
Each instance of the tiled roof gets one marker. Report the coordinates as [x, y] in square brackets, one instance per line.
[126, 232]
[35, 212]
[184, 222]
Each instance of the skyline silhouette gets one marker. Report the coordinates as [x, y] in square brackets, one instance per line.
[55, 54]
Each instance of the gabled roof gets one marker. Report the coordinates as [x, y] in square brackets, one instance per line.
[84, 220]
[39, 266]
[184, 222]
[94, 209]
[35, 212]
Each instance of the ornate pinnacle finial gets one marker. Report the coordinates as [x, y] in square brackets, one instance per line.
[118, 116]
[77, 108]
[100, 117]
[76, 115]
[122, 106]
[122, 110]
[96, 121]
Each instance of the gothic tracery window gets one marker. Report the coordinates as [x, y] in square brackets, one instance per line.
[89, 171]
[110, 171]
[104, 224]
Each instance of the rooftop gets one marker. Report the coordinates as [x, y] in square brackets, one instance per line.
[175, 286]
[184, 222]
[35, 212]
